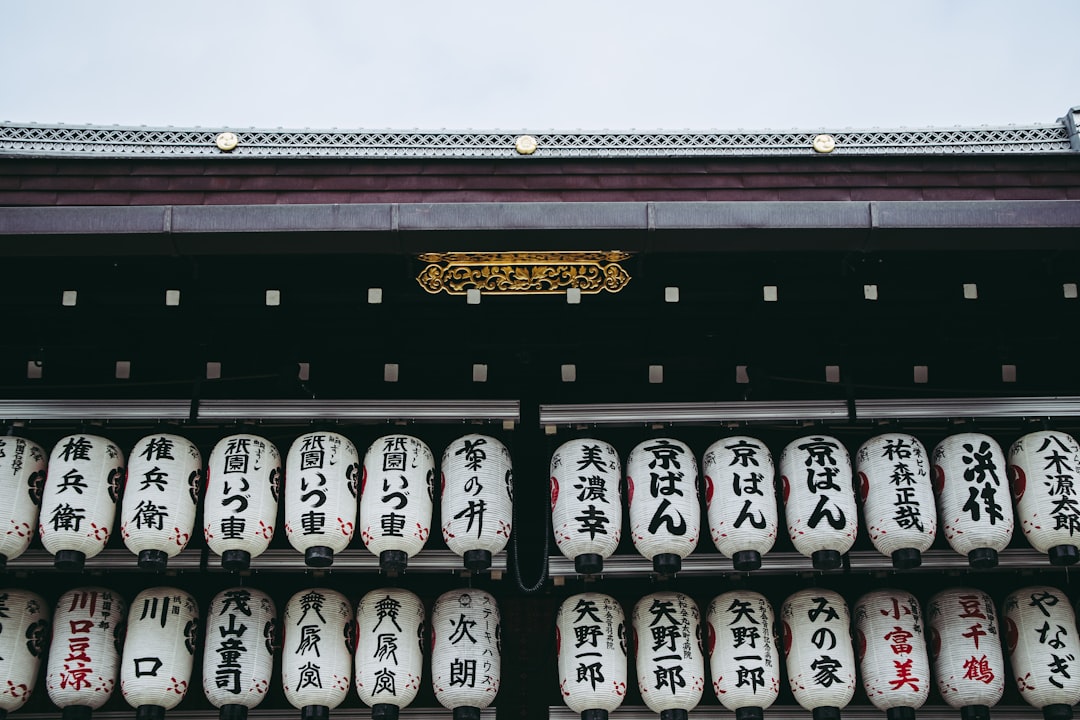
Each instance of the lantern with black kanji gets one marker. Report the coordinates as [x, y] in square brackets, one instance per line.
[586, 504]
[157, 515]
[897, 497]
[389, 650]
[242, 487]
[661, 489]
[477, 498]
[965, 646]
[743, 656]
[819, 502]
[590, 642]
[1043, 469]
[159, 651]
[84, 657]
[740, 498]
[322, 477]
[23, 635]
[238, 660]
[22, 480]
[1040, 631]
[466, 653]
[816, 628]
[892, 653]
[397, 491]
[316, 657]
[670, 662]
[970, 483]
[79, 503]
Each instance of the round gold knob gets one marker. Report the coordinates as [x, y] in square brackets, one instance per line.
[226, 141]
[824, 143]
[525, 145]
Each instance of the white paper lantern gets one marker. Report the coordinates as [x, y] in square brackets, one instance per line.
[970, 483]
[79, 503]
[477, 498]
[238, 659]
[741, 500]
[590, 642]
[389, 650]
[965, 645]
[1040, 631]
[743, 656]
[820, 660]
[316, 665]
[243, 481]
[892, 652]
[24, 630]
[586, 504]
[322, 472]
[661, 489]
[466, 653]
[22, 480]
[160, 499]
[819, 501]
[897, 497]
[84, 657]
[159, 651]
[1043, 468]
[670, 661]
[396, 498]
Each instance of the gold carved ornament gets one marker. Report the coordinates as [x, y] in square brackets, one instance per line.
[524, 273]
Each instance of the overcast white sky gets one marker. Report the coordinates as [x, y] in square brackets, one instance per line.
[548, 65]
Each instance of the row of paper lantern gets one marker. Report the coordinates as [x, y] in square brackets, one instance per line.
[78, 489]
[325, 650]
[903, 490]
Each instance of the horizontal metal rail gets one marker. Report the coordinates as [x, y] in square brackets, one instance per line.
[94, 409]
[1013, 407]
[794, 712]
[691, 413]
[410, 713]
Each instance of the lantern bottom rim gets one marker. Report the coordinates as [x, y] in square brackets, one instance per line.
[827, 559]
[674, 714]
[594, 714]
[233, 712]
[900, 713]
[1057, 711]
[906, 558]
[319, 556]
[153, 560]
[1064, 555]
[826, 712]
[975, 712]
[466, 712]
[666, 563]
[393, 562]
[77, 712]
[477, 560]
[69, 561]
[150, 712]
[315, 712]
[745, 560]
[3, 563]
[983, 558]
[589, 563]
[749, 713]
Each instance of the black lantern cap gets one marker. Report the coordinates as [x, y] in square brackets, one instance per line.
[393, 562]
[983, 558]
[3, 568]
[319, 556]
[153, 560]
[827, 712]
[589, 564]
[69, 561]
[466, 712]
[900, 713]
[906, 558]
[150, 712]
[975, 712]
[1058, 711]
[827, 560]
[1063, 555]
[315, 712]
[77, 712]
[233, 712]
[384, 711]
[667, 563]
[676, 714]
[236, 560]
[746, 560]
[749, 713]
[478, 560]
[594, 714]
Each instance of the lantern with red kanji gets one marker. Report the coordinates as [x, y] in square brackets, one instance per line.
[817, 643]
[897, 497]
[744, 659]
[466, 652]
[741, 501]
[590, 642]
[23, 635]
[159, 651]
[389, 650]
[670, 661]
[661, 489]
[22, 480]
[1043, 469]
[84, 657]
[1040, 631]
[397, 491]
[586, 504]
[238, 660]
[82, 490]
[322, 473]
[965, 645]
[892, 653]
[316, 657]
[819, 502]
[971, 486]
[157, 515]
[477, 499]
[243, 484]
